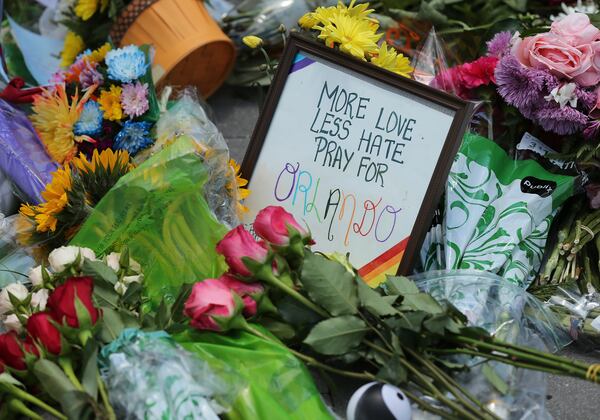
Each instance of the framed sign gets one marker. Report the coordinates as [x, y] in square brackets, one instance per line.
[357, 152]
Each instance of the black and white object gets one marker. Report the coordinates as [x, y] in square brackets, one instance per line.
[378, 401]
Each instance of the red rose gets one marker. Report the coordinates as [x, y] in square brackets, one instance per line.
[61, 303]
[249, 292]
[41, 331]
[239, 243]
[11, 350]
[272, 225]
[209, 302]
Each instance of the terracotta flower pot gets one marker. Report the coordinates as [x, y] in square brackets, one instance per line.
[190, 47]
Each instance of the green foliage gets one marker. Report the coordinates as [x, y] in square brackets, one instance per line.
[336, 336]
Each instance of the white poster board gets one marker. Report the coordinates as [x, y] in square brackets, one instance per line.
[351, 156]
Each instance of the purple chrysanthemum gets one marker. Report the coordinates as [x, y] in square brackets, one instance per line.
[499, 44]
[523, 87]
[89, 76]
[134, 99]
[586, 98]
[562, 121]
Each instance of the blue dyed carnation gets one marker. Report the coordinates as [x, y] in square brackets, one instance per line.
[126, 64]
[134, 136]
[90, 120]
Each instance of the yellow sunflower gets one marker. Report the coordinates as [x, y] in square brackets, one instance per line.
[98, 54]
[355, 36]
[110, 103]
[55, 199]
[389, 59]
[106, 160]
[54, 117]
[72, 47]
[240, 183]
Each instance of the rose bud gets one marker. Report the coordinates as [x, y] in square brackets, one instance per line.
[17, 290]
[61, 303]
[249, 292]
[211, 306]
[13, 323]
[63, 257]
[41, 331]
[273, 224]
[11, 350]
[237, 244]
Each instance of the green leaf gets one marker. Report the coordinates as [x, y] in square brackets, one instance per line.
[329, 285]
[112, 325]
[79, 405]
[53, 379]
[393, 372]
[421, 302]
[400, 286]
[336, 336]
[90, 370]
[295, 313]
[132, 294]
[179, 304]
[439, 324]
[105, 296]
[492, 376]
[373, 301]
[7, 378]
[279, 329]
[99, 270]
[162, 315]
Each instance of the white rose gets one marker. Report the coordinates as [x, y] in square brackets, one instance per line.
[36, 276]
[132, 279]
[120, 288]
[64, 256]
[12, 323]
[112, 260]
[39, 299]
[17, 290]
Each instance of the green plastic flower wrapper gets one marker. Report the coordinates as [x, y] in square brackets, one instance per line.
[280, 385]
[497, 214]
[158, 210]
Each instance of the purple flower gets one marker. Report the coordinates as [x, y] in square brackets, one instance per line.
[499, 44]
[586, 98]
[89, 76]
[134, 99]
[559, 120]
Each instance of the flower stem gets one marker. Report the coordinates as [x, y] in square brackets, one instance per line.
[25, 396]
[105, 400]
[311, 360]
[17, 406]
[443, 414]
[67, 367]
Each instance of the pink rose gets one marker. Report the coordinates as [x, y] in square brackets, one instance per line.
[549, 51]
[576, 29]
[210, 301]
[249, 292]
[272, 224]
[239, 243]
[591, 76]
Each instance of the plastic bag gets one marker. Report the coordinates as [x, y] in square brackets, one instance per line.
[158, 210]
[14, 260]
[187, 116]
[497, 212]
[279, 385]
[22, 155]
[149, 376]
[510, 314]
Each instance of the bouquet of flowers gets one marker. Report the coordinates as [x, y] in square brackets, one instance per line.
[57, 323]
[331, 319]
[105, 99]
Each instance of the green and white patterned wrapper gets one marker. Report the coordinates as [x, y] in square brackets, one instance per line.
[497, 214]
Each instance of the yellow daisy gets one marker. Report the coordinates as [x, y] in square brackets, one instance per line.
[54, 117]
[389, 59]
[354, 36]
[110, 103]
[72, 47]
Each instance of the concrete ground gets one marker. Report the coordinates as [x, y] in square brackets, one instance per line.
[236, 112]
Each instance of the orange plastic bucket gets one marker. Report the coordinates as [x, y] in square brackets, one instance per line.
[190, 47]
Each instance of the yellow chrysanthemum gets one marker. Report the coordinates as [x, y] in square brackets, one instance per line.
[54, 117]
[110, 103]
[240, 183]
[389, 59]
[98, 54]
[323, 15]
[355, 36]
[72, 47]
